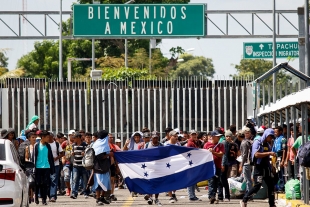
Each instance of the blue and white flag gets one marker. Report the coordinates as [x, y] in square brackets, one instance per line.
[164, 169]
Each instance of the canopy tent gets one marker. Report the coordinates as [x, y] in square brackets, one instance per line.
[293, 99]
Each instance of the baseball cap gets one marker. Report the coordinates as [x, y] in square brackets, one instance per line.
[216, 133]
[147, 134]
[22, 138]
[71, 132]
[177, 130]
[65, 137]
[192, 131]
[38, 132]
[155, 134]
[77, 134]
[260, 130]
[118, 140]
[228, 133]
[172, 133]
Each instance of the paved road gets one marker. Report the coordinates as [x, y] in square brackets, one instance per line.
[125, 200]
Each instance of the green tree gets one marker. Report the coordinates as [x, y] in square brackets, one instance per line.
[126, 73]
[140, 59]
[194, 66]
[256, 68]
[42, 61]
[3, 60]
[3, 71]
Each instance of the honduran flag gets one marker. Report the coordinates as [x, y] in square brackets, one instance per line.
[164, 169]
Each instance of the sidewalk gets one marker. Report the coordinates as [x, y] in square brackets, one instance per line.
[295, 203]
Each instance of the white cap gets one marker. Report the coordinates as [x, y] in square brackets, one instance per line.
[118, 140]
[71, 132]
[299, 120]
[250, 117]
[177, 130]
[273, 125]
[260, 130]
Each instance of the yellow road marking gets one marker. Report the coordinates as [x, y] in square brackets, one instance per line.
[129, 201]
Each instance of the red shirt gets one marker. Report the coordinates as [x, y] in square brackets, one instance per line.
[218, 148]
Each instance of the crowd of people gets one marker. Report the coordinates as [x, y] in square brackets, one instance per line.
[254, 153]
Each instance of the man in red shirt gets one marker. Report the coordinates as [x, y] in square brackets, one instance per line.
[217, 150]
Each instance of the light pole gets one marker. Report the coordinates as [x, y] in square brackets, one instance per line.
[126, 41]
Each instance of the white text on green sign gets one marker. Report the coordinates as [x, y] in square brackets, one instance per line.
[265, 50]
[106, 20]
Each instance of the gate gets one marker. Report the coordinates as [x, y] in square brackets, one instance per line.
[123, 107]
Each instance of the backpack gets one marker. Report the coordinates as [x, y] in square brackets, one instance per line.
[22, 151]
[304, 154]
[89, 158]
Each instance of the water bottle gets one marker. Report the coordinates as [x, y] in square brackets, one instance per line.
[293, 194]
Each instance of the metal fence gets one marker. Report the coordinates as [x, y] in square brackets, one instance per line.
[124, 106]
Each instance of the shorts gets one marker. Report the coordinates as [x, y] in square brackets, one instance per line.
[67, 173]
[113, 170]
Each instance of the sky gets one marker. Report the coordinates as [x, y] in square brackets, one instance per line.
[225, 53]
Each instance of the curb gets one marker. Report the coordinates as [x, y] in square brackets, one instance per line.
[295, 203]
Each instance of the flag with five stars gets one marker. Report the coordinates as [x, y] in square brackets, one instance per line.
[164, 169]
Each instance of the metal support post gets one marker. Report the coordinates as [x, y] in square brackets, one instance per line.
[301, 42]
[93, 54]
[150, 57]
[274, 82]
[60, 42]
[126, 53]
[307, 69]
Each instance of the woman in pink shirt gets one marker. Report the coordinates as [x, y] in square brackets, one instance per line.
[290, 157]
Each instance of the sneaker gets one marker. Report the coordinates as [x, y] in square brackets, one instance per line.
[146, 197]
[226, 200]
[150, 201]
[198, 198]
[92, 194]
[212, 200]
[171, 200]
[99, 202]
[53, 200]
[157, 202]
[113, 198]
[243, 204]
[85, 196]
[175, 197]
[194, 199]
[73, 196]
[103, 200]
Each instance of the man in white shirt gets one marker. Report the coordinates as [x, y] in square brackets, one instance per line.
[57, 154]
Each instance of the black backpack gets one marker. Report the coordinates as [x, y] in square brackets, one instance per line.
[22, 151]
[304, 154]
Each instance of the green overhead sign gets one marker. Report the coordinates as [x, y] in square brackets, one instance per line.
[138, 20]
[262, 50]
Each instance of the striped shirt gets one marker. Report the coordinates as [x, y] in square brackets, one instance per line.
[78, 149]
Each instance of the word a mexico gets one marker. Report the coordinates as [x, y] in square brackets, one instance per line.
[173, 20]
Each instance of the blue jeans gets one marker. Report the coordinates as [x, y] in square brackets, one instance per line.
[281, 181]
[247, 173]
[213, 183]
[77, 173]
[191, 191]
[54, 183]
[223, 182]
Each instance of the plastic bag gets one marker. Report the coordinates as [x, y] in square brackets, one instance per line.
[235, 185]
[292, 186]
